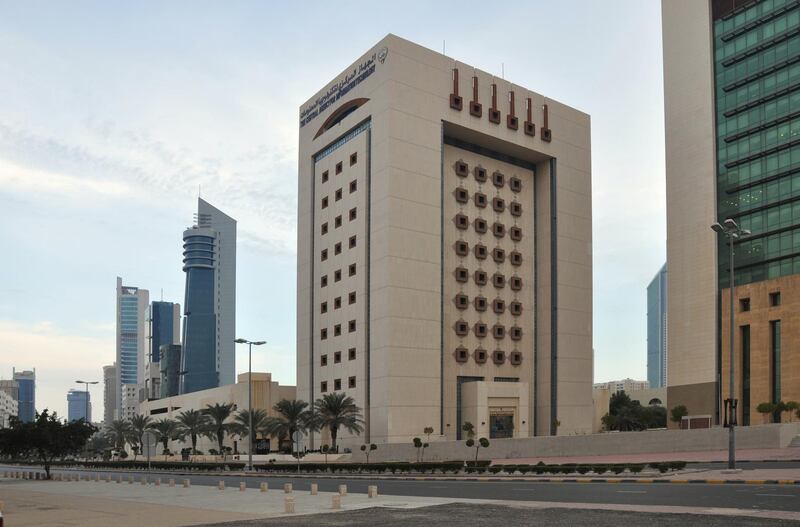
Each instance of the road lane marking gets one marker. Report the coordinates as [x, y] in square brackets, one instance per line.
[777, 495]
[438, 486]
[632, 491]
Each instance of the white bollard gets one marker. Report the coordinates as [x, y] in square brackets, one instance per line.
[157, 482]
[119, 478]
[130, 480]
[372, 491]
[171, 482]
[287, 488]
[221, 485]
[96, 478]
[264, 487]
[186, 483]
[242, 486]
[314, 489]
[342, 490]
[336, 502]
[288, 506]
[143, 480]
[108, 478]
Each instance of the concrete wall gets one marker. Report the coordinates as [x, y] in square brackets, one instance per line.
[656, 441]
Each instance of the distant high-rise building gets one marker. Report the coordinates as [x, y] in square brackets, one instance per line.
[8, 408]
[170, 370]
[163, 328]
[11, 388]
[131, 305]
[110, 392]
[27, 394]
[209, 260]
[657, 330]
[622, 385]
[79, 405]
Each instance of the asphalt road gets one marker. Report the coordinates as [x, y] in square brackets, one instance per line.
[763, 497]
[746, 465]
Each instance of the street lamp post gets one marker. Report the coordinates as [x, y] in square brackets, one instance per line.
[250, 345]
[731, 230]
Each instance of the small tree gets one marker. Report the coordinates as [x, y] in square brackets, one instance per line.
[424, 446]
[766, 409]
[677, 413]
[138, 425]
[481, 443]
[469, 429]
[367, 451]
[418, 445]
[166, 430]
[792, 407]
[325, 449]
[428, 431]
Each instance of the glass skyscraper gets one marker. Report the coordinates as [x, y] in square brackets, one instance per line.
[132, 303]
[657, 330]
[27, 395]
[79, 405]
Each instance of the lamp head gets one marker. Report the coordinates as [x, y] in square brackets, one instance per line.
[240, 341]
[730, 224]
[259, 343]
[716, 227]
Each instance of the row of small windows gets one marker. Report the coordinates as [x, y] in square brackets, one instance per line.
[337, 275]
[481, 200]
[337, 302]
[337, 221]
[337, 384]
[482, 252]
[337, 330]
[480, 174]
[481, 304]
[353, 161]
[481, 278]
[774, 301]
[481, 356]
[337, 195]
[481, 330]
[337, 357]
[337, 249]
[482, 226]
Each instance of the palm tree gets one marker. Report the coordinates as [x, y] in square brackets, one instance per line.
[217, 427]
[242, 420]
[192, 423]
[118, 432]
[139, 424]
[293, 416]
[165, 430]
[337, 410]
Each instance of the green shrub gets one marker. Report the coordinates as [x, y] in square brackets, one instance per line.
[600, 469]
[618, 468]
[636, 467]
[495, 469]
[677, 465]
[583, 469]
[524, 469]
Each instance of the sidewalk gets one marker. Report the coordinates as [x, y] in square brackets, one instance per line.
[759, 454]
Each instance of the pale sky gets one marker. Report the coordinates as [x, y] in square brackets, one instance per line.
[113, 114]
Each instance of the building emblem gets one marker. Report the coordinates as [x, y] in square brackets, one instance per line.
[382, 54]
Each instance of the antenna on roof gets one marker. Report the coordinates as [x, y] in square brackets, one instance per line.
[503, 70]
[443, 48]
[199, 194]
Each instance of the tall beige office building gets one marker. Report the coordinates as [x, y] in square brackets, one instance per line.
[444, 251]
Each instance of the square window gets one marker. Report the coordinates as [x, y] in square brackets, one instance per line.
[480, 199]
[515, 233]
[515, 333]
[498, 254]
[499, 280]
[323, 307]
[325, 177]
[351, 382]
[324, 228]
[351, 297]
[323, 333]
[351, 354]
[337, 384]
[516, 283]
[480, 277]
[337, 330]
[337, 302]
[351, 326]
[481, 251]
[499, 356]
[338, 194]
[498, 331]
[461, 194]
[481, 226]
[461, 328]
[498, 179]
[323, 386]
[337, 248]
[337, 221]
[337, 275]
[498, 229]
[480, 356]
[515, 257]
[352, 241]
[480, 174]
[462, 169]
[461, 221]
[325, 202]
[480, 303]
[323, 281]
[515, 308]
[498, 306]
[498, 204]
[744, 304]
[461, 354]
[461, 247]
[353, 213]
[323, 360]
[339, 167]
[323, 254]
[461, 274]
[480, 329]
[516, 358]
[515, 184]
[353, 158]
[461, 301]
[337, 357]
[353, 186]
[775, 299]
[351, 270]
[515, 208]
